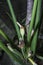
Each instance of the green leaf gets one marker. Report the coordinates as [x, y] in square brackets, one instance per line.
[6, 37]
[34, 40]
[39, 57]
[15, 51]
[32, 20]
[14, 56]
[14, 18]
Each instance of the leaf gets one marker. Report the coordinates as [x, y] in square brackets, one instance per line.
[32, 20]
[15, 51]
[6, 37]
[38, 15]
[13, 18]
[14, 56]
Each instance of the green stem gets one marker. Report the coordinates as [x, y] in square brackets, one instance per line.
[32, 20]
[14, 18]
[34, 40]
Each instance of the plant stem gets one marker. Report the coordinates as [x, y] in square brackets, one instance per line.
[32, 62]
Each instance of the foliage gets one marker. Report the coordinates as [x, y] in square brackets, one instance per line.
[25, 52]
